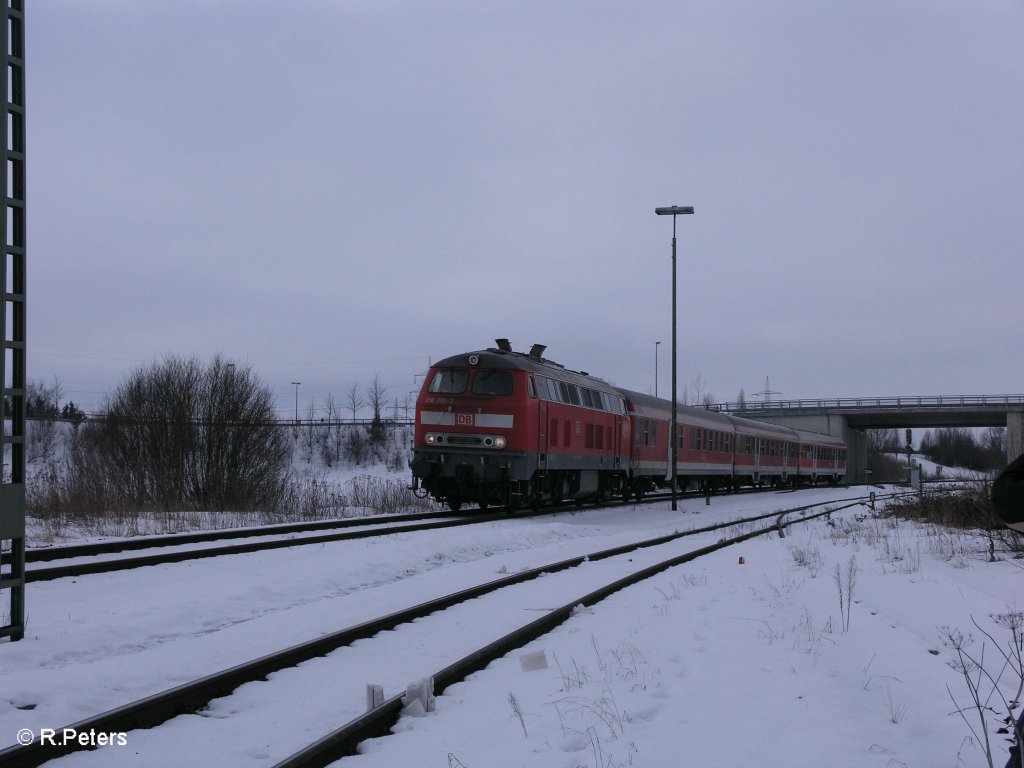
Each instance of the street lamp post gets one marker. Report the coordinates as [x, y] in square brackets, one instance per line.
[673, 211]
[296, 385]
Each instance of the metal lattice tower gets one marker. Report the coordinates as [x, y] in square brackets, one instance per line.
[12, 330]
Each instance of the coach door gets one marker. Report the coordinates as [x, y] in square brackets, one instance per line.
[668, 451]
[619, 428]
[542, 434]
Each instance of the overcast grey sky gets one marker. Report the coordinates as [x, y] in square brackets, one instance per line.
[333, 190]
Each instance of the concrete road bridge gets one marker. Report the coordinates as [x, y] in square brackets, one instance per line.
[847, 418]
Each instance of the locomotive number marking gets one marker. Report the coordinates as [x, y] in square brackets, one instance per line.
[464, 419]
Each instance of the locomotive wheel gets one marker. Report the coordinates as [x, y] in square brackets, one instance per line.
[454, 504]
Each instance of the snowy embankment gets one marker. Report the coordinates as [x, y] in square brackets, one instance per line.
[712, 663]
[720, 663]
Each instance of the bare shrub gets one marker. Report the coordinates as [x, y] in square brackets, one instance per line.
[896, 706]
[845, 583]
[990, 682]
[807, 557]
[382, 496]
[176, 435]
[968, 507]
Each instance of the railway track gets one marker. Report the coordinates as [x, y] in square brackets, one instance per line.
[286, 535]
[49, 554]
[364, 528]
[192, 697]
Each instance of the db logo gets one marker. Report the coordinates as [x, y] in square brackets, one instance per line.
[464, 419]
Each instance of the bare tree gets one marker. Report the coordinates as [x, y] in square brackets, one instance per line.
[697, 393]
[882, 440]
[377, 395]
[334, 439]
[994, 443]
[354, 400]
[42, 407]
[310, 430]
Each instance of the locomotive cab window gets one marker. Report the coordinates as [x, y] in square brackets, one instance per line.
[497, 383]
[450, 382]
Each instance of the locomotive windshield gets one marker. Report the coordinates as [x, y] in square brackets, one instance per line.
[492, 383]
[449, 382]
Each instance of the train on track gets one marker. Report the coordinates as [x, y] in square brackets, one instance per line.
[513, 429]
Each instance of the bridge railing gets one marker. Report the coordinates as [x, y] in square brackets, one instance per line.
[949, 401]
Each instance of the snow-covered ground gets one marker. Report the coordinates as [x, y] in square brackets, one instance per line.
[714, 663]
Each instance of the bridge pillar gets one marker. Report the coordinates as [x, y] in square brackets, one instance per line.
[837, 426]
[1014, 435]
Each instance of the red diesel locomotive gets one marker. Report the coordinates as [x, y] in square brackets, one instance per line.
[505, 428]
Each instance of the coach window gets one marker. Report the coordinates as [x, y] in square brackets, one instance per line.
[449, 382]
[654, 432]
[585, 399]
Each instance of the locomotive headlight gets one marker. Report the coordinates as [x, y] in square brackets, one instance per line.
[499, 442]
[431, 438]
